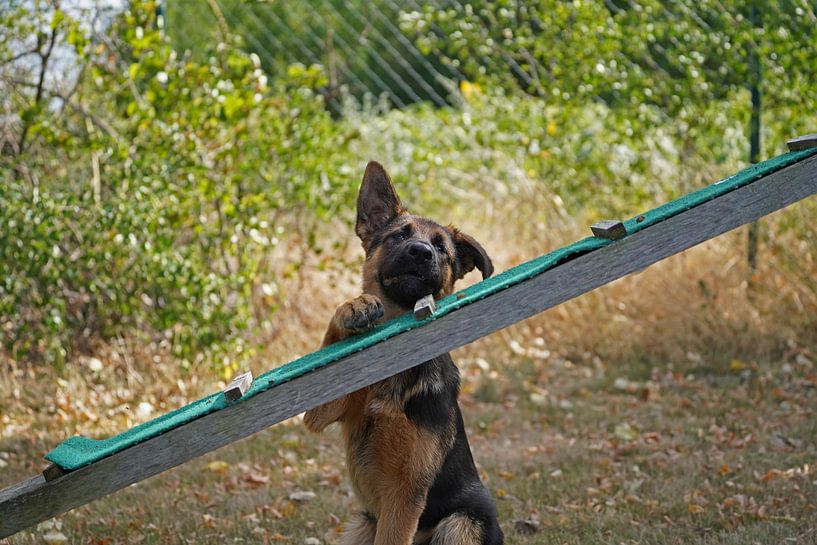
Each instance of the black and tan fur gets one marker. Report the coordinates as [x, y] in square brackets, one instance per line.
[406, 449]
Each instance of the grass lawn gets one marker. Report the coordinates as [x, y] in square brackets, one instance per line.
[701, 451]
[676, 406]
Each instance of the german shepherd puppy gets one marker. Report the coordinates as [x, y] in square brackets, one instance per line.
[406, 449]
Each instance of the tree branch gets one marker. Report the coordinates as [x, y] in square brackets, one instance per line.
[38, 95]
[100, 123]
[18, 56]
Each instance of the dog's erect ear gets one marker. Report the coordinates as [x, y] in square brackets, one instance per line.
[377, 202]
[470, 255]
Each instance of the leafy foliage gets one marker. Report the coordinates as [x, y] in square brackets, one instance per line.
[651, 61]
[148, 189]
[150, 197]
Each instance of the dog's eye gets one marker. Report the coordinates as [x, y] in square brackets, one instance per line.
[399, 235]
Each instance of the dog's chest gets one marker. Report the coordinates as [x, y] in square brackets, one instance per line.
[376, 456]
[386, 451]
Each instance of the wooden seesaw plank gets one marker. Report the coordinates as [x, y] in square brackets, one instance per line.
[32, 501]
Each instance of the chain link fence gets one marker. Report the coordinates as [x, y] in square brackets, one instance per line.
[410, 51]
[360, 44]
[676, 58]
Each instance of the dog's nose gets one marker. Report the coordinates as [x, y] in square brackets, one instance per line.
[420, 251]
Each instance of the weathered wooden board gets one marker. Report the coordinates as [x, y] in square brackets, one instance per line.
[35, 500]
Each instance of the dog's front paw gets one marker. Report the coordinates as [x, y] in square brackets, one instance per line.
[359, 314]
[314, 420]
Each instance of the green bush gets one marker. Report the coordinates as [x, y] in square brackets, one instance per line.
[150, 200]
[678, 57]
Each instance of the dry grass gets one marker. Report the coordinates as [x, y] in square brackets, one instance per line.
[673, 406]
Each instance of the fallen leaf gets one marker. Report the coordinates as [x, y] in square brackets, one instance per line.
[649, 392]
[333, 478]
[625, 431]
[54, 537]
[202, 497]
[651, 437]
[286, 510]
[780, 393]
[771, 475]
[538, 399]
[256, 479]
[625, 385]
[730, 502]
[217, 466]
[527, 527]
[252, 517]
[302, 495]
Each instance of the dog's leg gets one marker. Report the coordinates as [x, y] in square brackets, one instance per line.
[398, 520]
[360, 530]
[321, 416]
[406, 458]
[336, 410]
[354, 316]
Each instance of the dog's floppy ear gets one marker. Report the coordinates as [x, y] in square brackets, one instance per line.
[377, 202]
[470, 255]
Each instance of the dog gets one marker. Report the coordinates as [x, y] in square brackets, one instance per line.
[406, 449]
